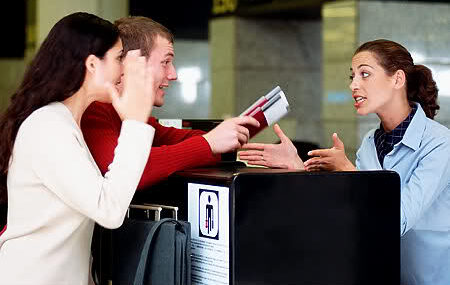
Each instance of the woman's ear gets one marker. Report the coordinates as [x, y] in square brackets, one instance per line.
[400, 79]
[91, 63]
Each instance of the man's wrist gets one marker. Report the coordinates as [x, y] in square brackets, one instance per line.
[205, 136]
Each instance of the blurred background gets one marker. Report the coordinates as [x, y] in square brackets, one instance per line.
[231, 52]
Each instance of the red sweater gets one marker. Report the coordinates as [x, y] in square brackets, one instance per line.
[173, 149]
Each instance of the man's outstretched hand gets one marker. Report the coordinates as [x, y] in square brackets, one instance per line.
[282, 155]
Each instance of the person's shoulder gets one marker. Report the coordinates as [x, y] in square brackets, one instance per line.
[436, 133]
[437, 130]
[49, 129]
[432, 130]
[54, 113]
[153, 122]
[100, 116]
[98, 107]
[52, 118]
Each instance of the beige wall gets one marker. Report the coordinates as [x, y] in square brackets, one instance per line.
[222, 41]
[250, 56]
[339, 39]
[50, 11]
[41, 16]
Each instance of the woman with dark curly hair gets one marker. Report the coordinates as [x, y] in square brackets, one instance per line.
[55, 191]
[385, 81]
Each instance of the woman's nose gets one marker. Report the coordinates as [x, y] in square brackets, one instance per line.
[353, 85]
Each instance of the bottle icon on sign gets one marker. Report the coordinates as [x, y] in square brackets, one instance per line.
[209, 222]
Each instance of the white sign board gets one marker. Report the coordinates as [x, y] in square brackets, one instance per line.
[208, 213]
[176, 123]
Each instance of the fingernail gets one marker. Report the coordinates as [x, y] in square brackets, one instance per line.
[309, 153]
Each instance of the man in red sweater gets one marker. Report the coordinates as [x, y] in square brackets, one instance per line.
[173, 149]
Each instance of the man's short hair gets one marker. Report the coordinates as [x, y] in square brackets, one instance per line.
[139, 32]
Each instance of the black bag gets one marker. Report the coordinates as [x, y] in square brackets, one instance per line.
[146, 252]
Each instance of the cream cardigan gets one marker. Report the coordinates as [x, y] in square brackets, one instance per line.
[56, 193]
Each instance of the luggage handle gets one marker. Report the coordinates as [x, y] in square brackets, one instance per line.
[172, 208]
[147, 209]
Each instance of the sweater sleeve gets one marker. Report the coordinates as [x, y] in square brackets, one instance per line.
[170, 135]
[175, 150]
[167, 159]
[63, 165]
[172, 150]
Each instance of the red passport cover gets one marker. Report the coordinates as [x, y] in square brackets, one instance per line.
[259, 116]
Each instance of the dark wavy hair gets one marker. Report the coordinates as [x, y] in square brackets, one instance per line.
[420, 85]
[56, 73]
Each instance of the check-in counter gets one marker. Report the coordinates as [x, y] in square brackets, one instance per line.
[265, 226]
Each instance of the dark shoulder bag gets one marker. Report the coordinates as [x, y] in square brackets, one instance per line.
[150, 252]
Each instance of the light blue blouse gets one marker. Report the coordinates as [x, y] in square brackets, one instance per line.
[422, 159]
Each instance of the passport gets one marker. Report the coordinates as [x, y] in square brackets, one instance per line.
[267, 110]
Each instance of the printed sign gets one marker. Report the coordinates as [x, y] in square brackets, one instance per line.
[208, 213]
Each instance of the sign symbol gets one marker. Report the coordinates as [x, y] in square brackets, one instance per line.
[209, 213]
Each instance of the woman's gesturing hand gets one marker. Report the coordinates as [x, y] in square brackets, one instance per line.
[136, 100]
[330, 159]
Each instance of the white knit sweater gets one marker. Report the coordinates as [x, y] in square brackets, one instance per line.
[56, 193]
